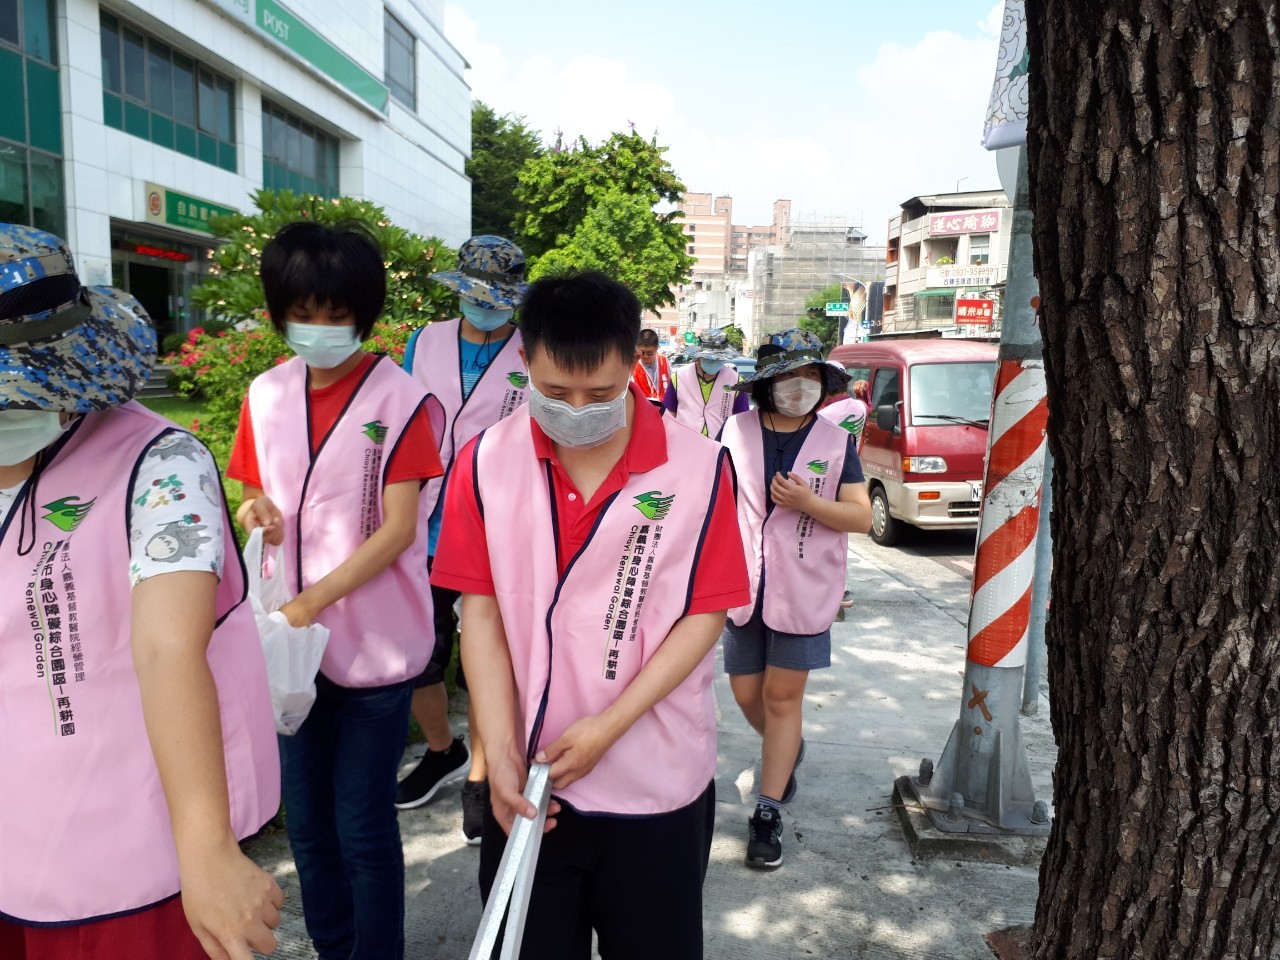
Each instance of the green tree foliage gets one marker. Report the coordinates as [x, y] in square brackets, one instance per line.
[233, 291]
[621, 236]
[815, 317]
[735, 336]
[500, 147]
[593, 205]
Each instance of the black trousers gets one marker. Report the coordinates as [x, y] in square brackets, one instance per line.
[637, 881]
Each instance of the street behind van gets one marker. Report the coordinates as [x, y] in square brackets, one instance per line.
[926, 435]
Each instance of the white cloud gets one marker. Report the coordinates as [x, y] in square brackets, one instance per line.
[993, 22]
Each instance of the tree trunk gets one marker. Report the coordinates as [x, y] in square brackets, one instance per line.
[1155, 171]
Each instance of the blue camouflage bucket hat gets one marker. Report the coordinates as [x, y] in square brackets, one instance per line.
[791, 350]
[714, 344]
[64, 346]
[490, 273]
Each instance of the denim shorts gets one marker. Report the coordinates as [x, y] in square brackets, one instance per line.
[750, 648]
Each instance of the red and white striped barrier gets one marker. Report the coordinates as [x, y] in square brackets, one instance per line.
[1000, 607]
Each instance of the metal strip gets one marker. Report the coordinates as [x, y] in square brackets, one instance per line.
[515, 874]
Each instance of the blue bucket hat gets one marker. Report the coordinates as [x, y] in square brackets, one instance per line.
[714, 345]
[63, 346]
[791, 350]
[490, 273]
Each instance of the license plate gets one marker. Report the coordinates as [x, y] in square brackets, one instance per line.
[977, 490]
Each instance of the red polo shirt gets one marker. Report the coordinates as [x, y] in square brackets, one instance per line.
[462, 554]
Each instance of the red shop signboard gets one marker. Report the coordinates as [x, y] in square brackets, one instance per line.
[975, 310]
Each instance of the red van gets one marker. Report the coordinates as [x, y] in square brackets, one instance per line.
[926, 435]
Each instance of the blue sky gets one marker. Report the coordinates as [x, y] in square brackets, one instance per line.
[845, 108]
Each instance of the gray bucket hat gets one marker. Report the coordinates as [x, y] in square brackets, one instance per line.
[63, 346]
[714, 345]
[791, 350]
[490, 273]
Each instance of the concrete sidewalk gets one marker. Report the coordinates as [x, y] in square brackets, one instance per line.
[849, 886]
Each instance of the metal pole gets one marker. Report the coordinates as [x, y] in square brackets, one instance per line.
[982, 780]
[1036, 654]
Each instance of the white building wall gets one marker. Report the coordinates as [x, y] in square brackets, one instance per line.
[411, 163]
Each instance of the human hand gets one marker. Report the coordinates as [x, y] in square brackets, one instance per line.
[232, 904]
[507, 779]
[299, 611]
[575, 753]
[791, 492]
[261, 512]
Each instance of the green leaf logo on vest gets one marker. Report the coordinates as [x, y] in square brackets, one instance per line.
[375, 431]
[66, 514]
[818, 466]
[851, 423]
[654, 504]
[518, 380]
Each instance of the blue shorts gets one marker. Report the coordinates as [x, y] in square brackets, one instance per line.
[750, 648]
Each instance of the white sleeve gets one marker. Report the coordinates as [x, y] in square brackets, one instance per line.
[177, 518]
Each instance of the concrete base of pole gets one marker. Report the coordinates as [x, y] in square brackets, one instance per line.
[982, 844]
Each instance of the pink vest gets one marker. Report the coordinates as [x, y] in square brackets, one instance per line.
[802, 561]
[502, 387]
[576, 641]
[705, 416]
[849, 413]
[332, 503]
[84, 830]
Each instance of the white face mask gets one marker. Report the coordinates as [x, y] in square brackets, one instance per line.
[797, 396]
[322, 347]
[485, 319]
[24, 433]
[579, 427]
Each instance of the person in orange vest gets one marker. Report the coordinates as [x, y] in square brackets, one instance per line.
[652, 373]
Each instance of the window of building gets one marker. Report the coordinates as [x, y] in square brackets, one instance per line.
[401, 61]
[928, 307]
[691, 248]
[979, 249]
[152, 91]
[297, 155]
[31, 185]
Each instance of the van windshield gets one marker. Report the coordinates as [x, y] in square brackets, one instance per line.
[947, 393]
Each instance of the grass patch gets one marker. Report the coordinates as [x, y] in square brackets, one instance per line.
[181, 411]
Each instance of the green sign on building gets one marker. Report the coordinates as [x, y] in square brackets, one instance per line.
[295, 35]
[690, 337]
[175, 209]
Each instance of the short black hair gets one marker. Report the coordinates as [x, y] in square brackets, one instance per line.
[647, 338]
[762, 395]
[579, 318]
[338, 265]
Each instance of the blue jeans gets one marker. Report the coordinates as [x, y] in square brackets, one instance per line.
[339, 789]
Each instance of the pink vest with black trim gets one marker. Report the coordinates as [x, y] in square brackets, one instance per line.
[379, 633]
[502, 387]
[706, 416]
[577, 641]
[848, 413]
[84, 829]
[802, 561]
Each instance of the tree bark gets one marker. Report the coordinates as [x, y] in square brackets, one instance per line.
[1154, 151]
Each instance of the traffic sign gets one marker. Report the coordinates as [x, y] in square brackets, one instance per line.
[840, 309]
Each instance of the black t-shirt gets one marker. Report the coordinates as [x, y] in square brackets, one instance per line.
[781, 450]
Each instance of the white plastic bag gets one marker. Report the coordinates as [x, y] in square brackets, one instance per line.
[292, 653]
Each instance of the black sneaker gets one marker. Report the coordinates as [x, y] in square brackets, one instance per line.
[431, 773]
[789, 794]
[475, 794]
[764, 838]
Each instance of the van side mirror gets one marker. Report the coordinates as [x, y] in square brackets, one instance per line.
[887, 417]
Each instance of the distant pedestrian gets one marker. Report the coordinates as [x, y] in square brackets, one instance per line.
[652, 372]
[473, 369]
[334, 449]
[701, 394]
[800, 492]
[576, 530]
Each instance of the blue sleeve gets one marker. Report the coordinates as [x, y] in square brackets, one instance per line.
[742, 402]
[852, 472]
[671, 401]
[410, 349]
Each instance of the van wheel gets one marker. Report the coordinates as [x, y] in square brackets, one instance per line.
[885, 530]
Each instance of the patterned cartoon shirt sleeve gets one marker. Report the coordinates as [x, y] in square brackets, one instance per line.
[176, 518]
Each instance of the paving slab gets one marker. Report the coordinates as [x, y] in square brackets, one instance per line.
[850, 886]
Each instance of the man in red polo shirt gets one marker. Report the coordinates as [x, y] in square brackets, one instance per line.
[596, 548]
[652, 373]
